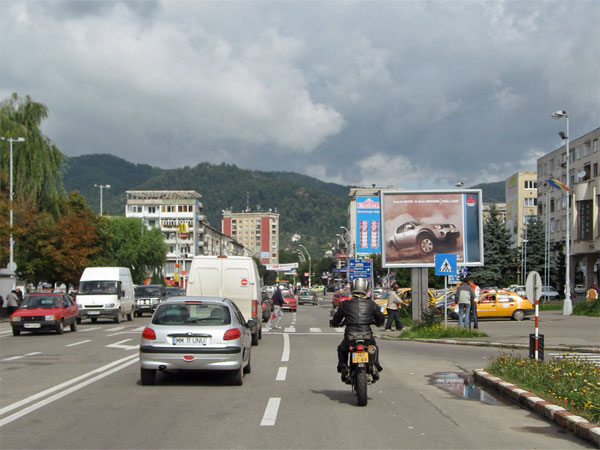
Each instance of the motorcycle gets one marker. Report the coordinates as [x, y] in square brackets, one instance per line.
[362, 360]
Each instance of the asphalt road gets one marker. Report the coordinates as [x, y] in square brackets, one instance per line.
[82, 390]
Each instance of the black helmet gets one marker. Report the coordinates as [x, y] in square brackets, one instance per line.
[360, 286]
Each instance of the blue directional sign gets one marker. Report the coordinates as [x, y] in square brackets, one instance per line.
[359, 268]
[445, 264]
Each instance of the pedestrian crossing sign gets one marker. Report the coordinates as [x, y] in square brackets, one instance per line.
[445, 264]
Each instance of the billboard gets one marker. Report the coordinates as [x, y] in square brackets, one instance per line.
[368, 236]
[418, 224]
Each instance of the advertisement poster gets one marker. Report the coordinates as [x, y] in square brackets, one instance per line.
[368, 229]
[418, 224]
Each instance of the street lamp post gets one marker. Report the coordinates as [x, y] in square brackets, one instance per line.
[11, 243]
[102, 186]
[567, 305]
[350, 239]
[309, 264]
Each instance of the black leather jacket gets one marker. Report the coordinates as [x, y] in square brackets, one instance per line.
[358, 314]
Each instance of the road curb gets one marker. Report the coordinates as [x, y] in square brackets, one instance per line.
[581, 427]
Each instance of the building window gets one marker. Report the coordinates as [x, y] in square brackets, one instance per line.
[551, 205]
[578, 152]
[532, 184]
[595, 171]
[551, 225]
[586, 149]
[595, 145]
[151, 209]
[584, 230]
[530, 201]
[588, 172]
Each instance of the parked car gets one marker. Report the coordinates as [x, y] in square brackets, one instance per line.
[339, 297]
[548, 292]
[45, 311]
[148, 297]
[518, 289]
[307, 296]
[289, 301]
[580, 289]
[501, 303]
[266, 306]
[196, 333]
[408, 232]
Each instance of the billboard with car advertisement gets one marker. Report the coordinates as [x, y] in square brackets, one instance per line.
[368, 219]
[418, 224]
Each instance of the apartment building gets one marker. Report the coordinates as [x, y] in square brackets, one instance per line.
[584, 181]
[257, 231]
[521, 204]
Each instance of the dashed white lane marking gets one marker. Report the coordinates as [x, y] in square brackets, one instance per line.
[270, 415]
[315, 330]
[12, 358]
[78, 343]
[115, 329]
[285, 356]
[83, 330]
[124, 362]
[281, 374]
[290, 330]
[339, 330]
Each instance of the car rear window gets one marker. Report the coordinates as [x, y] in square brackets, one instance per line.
[192, 314]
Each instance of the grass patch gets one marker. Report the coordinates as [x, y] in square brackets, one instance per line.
[585, 308]
[438, 331]
[572, 384]
[551, 306]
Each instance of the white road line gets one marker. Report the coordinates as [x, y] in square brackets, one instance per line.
[122, 346]
[281, 374]
[290, 330]
[123, 332]
[115, 329]
[12, 358]
[33, 353]
[315, 330]
[78, 343]
[64, 393]
[285, 356]
[339, 330]
[139, 330]
[270, 415]
[63, 385]
[83, 330]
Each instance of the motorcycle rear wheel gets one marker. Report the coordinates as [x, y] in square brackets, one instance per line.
[361, 388]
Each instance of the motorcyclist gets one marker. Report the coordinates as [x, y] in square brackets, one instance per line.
[357, 314]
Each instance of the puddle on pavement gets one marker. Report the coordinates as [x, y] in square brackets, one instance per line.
[462, 385]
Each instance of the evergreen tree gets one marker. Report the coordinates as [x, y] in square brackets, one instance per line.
[536, 240]
[500, 262]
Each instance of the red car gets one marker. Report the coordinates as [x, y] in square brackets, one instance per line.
[289, 301]
[45, 311]
[339, 297]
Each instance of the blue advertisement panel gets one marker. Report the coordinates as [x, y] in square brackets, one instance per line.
[368, 225]
[418, 224]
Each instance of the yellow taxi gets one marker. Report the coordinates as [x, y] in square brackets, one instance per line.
[404, 294]
[502, 303]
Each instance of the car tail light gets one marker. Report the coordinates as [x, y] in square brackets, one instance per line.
[189, 357]
[232, 333]
[149, 334]
[254, 308]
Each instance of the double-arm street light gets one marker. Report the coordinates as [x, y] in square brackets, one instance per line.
[11, 265]
[309, 264]
[102, 186]
[567, 305]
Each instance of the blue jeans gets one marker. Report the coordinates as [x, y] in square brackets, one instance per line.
[463, 315]
[473, 312]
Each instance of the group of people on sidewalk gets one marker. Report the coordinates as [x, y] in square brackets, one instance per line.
[466, 294]
[11, 303]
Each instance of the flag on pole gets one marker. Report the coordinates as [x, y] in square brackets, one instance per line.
[558, 185]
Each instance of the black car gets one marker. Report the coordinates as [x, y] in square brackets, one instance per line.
[148, 297]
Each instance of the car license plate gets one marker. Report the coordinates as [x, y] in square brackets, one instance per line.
[93, 313]
[144, 307]
[189, 340]
[32, 325]
[362, 357]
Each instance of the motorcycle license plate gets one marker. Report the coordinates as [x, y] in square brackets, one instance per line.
[362, 357]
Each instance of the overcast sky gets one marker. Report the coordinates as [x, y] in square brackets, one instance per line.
[414, 94]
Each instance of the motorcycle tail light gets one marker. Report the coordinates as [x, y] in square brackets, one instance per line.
[360, 348]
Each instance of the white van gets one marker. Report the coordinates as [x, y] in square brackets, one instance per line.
[105, 292]
[233, 277]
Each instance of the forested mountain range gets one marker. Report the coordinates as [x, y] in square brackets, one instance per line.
[307, 206]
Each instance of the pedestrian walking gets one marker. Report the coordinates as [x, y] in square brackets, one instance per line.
[592, 293]
[393, 305]
[2, 306]
[465, 296]
[277, 313]
[473, 310]
[12, 302]
[20, 295]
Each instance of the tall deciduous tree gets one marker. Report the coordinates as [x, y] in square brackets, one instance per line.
[37, 163]
[500, 266]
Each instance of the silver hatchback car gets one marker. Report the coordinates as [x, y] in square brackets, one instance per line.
[196, 333]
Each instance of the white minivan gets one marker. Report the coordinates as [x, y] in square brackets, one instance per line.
[106, 292]
[233, 277]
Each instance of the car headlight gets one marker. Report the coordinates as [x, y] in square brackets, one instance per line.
[50, 317]
[110, 305]
[15, 319]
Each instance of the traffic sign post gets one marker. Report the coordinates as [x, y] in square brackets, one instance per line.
[446, 265]
[533, 287]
